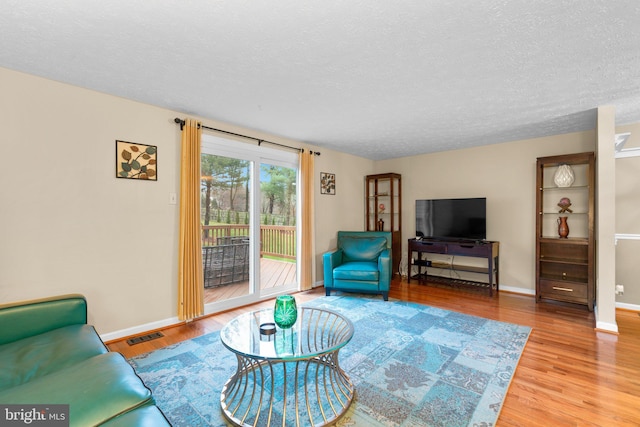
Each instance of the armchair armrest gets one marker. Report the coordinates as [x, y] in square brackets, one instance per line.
[331, 260]
[384, 266]
[28, 318]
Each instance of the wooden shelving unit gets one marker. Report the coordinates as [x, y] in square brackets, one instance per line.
[565, 266]
[383, 210]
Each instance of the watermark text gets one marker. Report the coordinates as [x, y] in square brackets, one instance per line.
[34, 415]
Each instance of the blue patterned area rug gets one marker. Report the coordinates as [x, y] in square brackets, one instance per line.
[411, 364]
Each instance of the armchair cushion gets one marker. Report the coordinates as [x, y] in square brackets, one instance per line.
[362, 248]
[357, 271]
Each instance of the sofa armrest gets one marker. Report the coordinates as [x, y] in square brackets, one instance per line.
[28, 318]
[331, 260]
[384, 266]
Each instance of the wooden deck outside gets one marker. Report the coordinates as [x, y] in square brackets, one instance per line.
[272, 273]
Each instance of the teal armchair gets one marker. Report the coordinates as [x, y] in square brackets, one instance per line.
[361, 263]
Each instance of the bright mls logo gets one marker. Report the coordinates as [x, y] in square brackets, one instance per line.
[34, 415]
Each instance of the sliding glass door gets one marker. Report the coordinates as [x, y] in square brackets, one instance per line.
[226, 227]
[278, 219]
[249, 222]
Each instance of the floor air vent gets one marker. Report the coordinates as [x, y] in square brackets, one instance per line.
[144, 338]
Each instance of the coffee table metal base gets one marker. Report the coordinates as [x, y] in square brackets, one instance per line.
[307, 392]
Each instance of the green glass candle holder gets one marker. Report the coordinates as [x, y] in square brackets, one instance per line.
[285, 312]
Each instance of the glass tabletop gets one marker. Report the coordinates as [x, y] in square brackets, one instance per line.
[316, 331]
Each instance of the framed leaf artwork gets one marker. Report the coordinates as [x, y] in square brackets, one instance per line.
[327, 183]
[136, 161]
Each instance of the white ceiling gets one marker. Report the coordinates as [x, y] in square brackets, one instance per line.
[378, 79]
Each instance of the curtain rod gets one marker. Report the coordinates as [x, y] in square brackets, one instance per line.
[260, 141]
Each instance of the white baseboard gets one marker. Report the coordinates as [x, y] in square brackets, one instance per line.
[116, 335]
[522, 291]
[625, 306]
[607, 327]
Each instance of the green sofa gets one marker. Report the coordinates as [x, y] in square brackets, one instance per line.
[49, 355]
[361, 263]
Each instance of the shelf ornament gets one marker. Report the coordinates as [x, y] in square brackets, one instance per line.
[564, 176]
[563, 227]
[565, 205]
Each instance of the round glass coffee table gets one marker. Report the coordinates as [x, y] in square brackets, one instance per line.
[287, 376]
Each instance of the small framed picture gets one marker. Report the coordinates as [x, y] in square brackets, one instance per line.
[327, 183]
[136, 161]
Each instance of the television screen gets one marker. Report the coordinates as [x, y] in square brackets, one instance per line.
[452, 218]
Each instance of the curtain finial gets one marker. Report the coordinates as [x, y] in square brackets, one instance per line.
[180, 122]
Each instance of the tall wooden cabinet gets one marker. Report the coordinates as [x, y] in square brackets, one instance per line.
[384, 210]
[565, 198]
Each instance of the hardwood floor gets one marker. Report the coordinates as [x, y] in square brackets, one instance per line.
[568, 375]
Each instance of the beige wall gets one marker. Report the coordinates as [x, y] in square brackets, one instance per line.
[68, 225]
[345, 209]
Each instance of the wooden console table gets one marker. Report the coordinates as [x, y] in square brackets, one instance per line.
[472, 249]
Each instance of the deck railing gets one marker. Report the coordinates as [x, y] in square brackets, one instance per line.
[275, 240]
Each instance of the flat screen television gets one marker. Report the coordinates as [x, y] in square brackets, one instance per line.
[464, 219]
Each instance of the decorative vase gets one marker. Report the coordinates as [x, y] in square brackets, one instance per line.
[563, 227]
[285, 312]
[564, 176]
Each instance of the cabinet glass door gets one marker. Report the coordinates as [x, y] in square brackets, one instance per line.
[577, 195]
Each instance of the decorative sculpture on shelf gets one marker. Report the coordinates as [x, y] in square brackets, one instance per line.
[564, 204]
[564, 176]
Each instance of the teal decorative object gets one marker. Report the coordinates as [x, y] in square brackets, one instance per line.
[285, 312]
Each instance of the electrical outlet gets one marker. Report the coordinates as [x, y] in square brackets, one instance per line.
[619, 289]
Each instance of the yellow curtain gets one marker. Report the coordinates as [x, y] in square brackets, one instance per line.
[306, 227]
[190, 277]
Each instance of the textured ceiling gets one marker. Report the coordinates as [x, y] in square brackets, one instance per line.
[378, 79]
